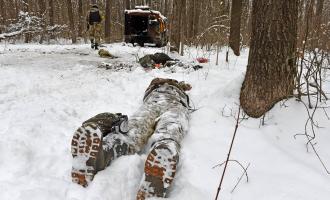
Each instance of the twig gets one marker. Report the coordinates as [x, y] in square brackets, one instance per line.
[244, 172]
[228, 156]
[309, 137]
[239, 180]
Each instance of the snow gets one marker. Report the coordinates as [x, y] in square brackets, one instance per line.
[47, 91]
[144, 10]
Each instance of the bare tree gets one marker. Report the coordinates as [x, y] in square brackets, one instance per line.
[127, 4]
[2, 14]
[81, 21]
[271, 66]
[107, 20]
[183, 26]
[71, 21]
[235, 26]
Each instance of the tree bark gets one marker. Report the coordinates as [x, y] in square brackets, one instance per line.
[196, 17]
[2, 14]
[107, 21]
[25, 7]
[51, 16]
[127, 4]
[71, 21]
[183, 25]
[81, 22]
[271, 66]
[175, 25]
[148, 2]
[133, 4]
[165, 7]
[191, 20]
[235, 26]
[42, 14]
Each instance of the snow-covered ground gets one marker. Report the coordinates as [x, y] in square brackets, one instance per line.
[46, 91]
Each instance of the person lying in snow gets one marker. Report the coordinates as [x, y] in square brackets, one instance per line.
[161, 122]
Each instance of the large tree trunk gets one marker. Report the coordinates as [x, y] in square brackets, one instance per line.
[71, 21]
[107, 22]
[271, 66]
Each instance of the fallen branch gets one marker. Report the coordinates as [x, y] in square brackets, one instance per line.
[244, 172]
[239, 180]
[228, 155]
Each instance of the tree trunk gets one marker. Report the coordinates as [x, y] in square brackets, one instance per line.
[235, 26]
[2, 14]
[271, 66]
[175, 25]
[196, 17]
[71, 22]
[127, 4]
[51, 16]
[165, 8]
[107, 21]
[183, 25]
[133, 4]
[191, 13]
[26, 6]
[81, 18]
[42, 14]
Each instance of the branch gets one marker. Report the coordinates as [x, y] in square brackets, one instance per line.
[228, 156]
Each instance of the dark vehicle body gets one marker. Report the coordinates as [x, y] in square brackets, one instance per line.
[143, 25]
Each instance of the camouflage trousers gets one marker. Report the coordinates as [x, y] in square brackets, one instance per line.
[159, 126]
[160, 123]
[95, 32]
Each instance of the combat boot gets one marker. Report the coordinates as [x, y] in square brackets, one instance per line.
[86, 149]
[159, 170]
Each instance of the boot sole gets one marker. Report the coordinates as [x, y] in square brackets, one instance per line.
[85, 147]
[159, 172]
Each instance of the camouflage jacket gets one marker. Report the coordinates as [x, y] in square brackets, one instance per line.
[180, 87]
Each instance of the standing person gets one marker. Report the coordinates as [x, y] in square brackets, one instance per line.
[161, 123]
[94, 19]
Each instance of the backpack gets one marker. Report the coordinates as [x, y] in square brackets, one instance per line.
[94, 17]
[110, 123]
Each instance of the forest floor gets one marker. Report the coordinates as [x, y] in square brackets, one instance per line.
[47, 91]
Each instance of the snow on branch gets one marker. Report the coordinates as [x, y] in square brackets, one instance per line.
[30, 24]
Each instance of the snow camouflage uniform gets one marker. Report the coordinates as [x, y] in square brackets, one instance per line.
[94, 19]
[161, 122]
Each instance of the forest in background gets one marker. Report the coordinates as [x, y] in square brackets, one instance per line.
[191, 22]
